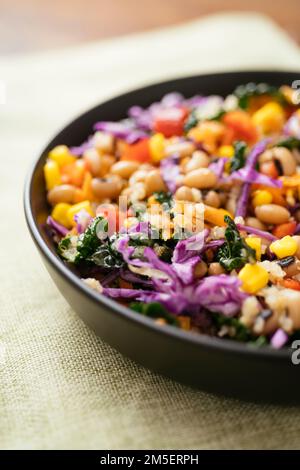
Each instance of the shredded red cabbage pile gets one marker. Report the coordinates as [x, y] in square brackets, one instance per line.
[179, 291]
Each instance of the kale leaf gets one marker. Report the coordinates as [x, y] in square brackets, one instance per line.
[289, 143]
[154, 310]
[90, 240]
[106, 257]
[235, 252]
[245, 92]
[239, 158]
[239, 331]
[67, 249]
[81, 248]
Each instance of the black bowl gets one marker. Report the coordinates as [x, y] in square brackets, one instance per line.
[218, 365]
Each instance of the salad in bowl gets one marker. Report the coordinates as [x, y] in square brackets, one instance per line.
[188, 212]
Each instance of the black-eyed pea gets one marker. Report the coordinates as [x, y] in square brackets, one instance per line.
[154, 182]
[200, 269]
[138, 177]
[124, 169]
[285, 158]
[106, 163]
[61, 193]
[184, 193]
[272, 214]
[179, 180]
[215, 269]
[297, 239]
[182, 149]
[93, 161]
[255, 223]
[293, 306]
[138, 192]
[271, 323]
[230, 205]
[199, 160]
[297, 215]
[223, 198]
[212, 199]
[107, 188]
[104, 142]
[201, 178]
[292, 269]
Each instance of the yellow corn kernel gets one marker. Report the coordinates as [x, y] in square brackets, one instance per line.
[253, 277]
[269, 118]
[52, 174]
[261, 197]
[226, 151]
[73, 210]
[60, 214]
[61, 155]
[157, 147]
[255, 244]
[286, 246]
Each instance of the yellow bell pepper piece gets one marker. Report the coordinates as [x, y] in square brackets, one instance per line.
[87, 186]
[61, 155]
[255, 244]
[226, 151]
[215, 216]
[157, 147]
[208, 133]
[52, 174]
[253, 277]
[73, 210]
[290, 181]
[60, 214]
[262, 197]
[270, 118]
[286, 246]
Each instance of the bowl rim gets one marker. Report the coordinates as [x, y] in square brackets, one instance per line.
[205, 341]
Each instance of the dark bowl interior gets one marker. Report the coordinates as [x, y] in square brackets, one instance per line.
[221, 366]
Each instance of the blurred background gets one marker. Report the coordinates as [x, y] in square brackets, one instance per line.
[35, 25]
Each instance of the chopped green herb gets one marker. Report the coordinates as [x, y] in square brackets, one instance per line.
[235, 252]
[239, 158]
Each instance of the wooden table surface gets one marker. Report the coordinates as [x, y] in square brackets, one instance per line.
[33, 25]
